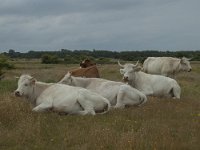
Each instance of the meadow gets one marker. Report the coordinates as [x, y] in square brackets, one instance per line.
[161, 123]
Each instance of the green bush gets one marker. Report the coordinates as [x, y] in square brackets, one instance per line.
[50, 59]
[103, 60]
[4, 64]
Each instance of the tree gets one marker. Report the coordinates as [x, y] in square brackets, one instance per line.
[50, 59]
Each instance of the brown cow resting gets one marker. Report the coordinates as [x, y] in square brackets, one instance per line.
[86, 63]
[89, 72]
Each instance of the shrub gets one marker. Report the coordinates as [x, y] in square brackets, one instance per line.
[4, 64]
[50, 59]
[103, 60]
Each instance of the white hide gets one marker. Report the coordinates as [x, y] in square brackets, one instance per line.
[119, 94]
[60, 98]
[155, 85]
[167, 66]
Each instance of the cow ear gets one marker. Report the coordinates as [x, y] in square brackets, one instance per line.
[138, 69]
[33, 80]
[122, 71]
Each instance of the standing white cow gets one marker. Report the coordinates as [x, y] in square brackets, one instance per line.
[60, 98]
[167, 66]
[119, 94]
[155, 85]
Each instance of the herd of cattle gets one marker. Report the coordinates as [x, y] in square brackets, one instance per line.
[82, 91]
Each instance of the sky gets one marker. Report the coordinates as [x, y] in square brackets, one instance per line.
[117, 25]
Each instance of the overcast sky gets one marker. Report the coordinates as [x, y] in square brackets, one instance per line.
[99, 24]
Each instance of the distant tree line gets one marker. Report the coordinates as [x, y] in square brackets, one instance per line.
[75, 56]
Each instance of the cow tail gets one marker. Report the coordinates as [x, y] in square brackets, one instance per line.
[106, 108]
[176, 91]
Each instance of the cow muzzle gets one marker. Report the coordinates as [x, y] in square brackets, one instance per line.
[125, 79]
[189, 70]
[17, 93]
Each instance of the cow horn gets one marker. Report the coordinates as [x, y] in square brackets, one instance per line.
[120, 64]
[137, 63]
[16, 77]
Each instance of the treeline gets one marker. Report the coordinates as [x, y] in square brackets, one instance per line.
[76, 55]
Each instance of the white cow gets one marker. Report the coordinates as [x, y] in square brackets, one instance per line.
[155, 85]
[118, 93]
[60, 98]
[167, 66]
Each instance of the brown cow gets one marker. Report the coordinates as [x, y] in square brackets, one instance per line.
[86, 63]
[89, 72]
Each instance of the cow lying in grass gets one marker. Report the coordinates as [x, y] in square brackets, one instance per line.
[119, 94]
[155, 85]
[166, 66]
[60, 98]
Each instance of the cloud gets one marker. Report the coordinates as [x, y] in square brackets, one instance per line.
[106, 24]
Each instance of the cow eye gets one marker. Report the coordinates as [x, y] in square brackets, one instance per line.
[184, 64]
[25, 84]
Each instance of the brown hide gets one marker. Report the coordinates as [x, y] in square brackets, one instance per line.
[89, 72]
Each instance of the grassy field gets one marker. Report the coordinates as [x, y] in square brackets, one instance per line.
[158, 124]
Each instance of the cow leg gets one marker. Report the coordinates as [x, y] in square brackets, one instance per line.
[147, 92]
[79, 113]
[42, 107]
[86, 105]
[176, 92]
[120, 97]
[127, 96]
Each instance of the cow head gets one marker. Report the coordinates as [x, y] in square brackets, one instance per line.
[86, 63]
[66, 79]
[185, 64]
[25, 85]
[129, 71]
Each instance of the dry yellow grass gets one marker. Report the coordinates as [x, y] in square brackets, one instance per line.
[159, 124]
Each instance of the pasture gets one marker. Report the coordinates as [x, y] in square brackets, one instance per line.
[161, 123]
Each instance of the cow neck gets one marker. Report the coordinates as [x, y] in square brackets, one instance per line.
[132, 82]
[136, 78]
[178, 68]
[86, 69]
[38, 88]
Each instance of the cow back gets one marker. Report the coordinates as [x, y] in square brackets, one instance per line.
[89, 72]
